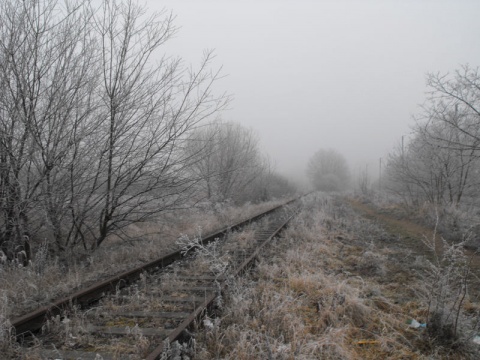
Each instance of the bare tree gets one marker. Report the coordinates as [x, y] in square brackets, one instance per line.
[328, 171]
[229, 160]
[454, 101]
[440, 163]
[45, 62]
[92, 119]
[428, 171]
[146, 107]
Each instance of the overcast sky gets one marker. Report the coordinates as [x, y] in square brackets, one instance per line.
[338, 74]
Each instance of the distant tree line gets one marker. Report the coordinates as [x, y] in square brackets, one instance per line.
[97, 125]
[328, 171]
[230, 166]
[440, 164]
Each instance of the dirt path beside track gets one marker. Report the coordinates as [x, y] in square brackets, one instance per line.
[410, 233]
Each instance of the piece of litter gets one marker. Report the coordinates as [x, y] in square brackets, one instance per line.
[415, 324]
[367, 342]
[476, 339]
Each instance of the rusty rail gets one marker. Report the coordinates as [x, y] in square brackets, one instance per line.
[33, 321]
[157, 353]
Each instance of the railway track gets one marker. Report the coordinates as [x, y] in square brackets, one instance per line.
[138, 314]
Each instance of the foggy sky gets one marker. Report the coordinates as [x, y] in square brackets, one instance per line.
[346, 75]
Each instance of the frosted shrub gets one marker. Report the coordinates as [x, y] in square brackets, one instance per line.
[209, 253]
[447, 279]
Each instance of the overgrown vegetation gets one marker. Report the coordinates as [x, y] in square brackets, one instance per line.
[338, 286]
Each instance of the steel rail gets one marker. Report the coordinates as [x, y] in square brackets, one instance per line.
[176, 334]
[34, 320]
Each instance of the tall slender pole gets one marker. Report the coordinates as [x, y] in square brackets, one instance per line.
[380, 175]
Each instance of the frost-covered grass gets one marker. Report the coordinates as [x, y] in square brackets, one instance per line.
[334, 286]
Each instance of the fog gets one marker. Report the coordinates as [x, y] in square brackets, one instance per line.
[346, 75]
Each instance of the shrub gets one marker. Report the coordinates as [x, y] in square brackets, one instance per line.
[447, 279]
